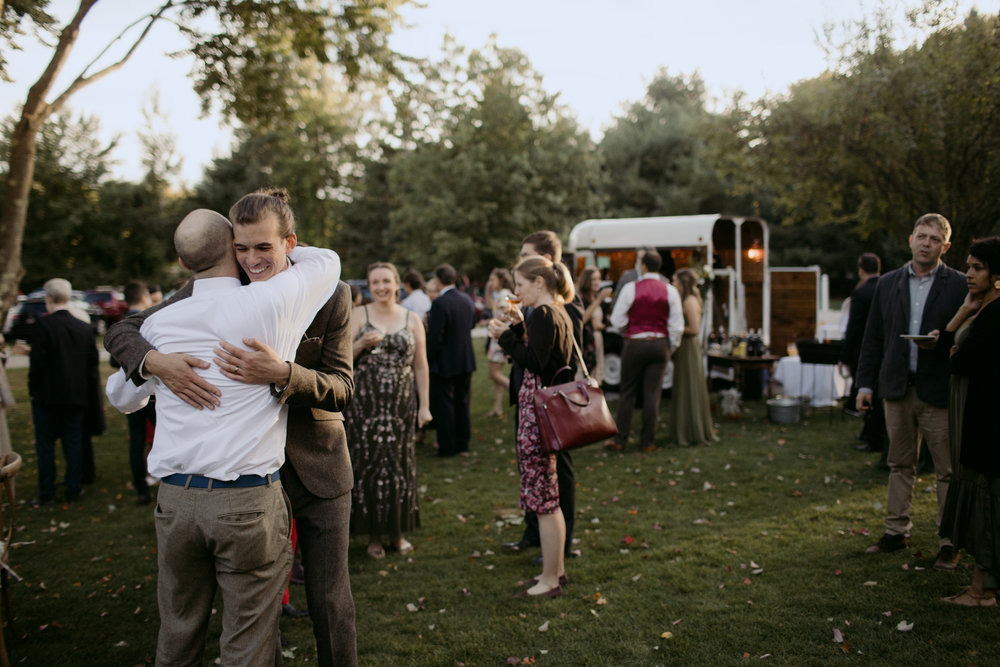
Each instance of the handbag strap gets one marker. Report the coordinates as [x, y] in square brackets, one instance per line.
[579, 356]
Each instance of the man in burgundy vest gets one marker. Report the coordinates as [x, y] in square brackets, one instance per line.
[649, 314]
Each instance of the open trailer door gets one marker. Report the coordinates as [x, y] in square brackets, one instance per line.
[795, 304]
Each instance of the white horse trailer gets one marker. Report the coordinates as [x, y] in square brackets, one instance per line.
[731, 254]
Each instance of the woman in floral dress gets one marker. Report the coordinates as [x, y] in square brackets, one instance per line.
[390, 361]
[541, 346]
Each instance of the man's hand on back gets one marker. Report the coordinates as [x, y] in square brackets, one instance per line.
[177, 372]
[258, 365]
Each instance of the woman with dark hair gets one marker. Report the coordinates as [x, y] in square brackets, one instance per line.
[390, 359]
[499, 288]
[588, 286]
[541, 346]
[690, 412]
[971, 516]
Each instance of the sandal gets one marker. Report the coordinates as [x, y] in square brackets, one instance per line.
[376, 551]
[969, 599]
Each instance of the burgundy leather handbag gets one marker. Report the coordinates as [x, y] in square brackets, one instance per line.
[573, 414]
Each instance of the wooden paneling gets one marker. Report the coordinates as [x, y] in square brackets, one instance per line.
[793, 307]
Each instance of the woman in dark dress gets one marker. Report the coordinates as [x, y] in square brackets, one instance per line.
[541, 346]
[390, 361]
[971, 515]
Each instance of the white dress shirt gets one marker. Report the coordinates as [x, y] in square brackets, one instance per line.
[417, 302]
[675, 320]
[245, 435]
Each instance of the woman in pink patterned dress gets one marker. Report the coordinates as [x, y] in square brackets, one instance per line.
[541, 346]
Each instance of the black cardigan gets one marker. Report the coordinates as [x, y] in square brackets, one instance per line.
[543, 344]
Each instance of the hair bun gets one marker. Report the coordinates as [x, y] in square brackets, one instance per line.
[277, 193]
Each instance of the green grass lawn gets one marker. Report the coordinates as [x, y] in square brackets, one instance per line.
[751, 549]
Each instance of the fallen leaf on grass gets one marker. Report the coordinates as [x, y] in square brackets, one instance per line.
[667, 635]
[677, 621]
[903, 626]
[602, 601]
[887, 613]
[544, 627]
[637, 577]
[838, 636]
[410, 607]
[870, 583]
[628, 540]
[121, 644]
[838, 572]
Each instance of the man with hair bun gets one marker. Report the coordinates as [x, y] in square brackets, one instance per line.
[263, 326]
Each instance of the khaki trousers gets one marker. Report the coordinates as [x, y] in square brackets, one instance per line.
[236, 540]
[907, 419]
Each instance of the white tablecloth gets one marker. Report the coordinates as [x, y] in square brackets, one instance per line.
[820, 382]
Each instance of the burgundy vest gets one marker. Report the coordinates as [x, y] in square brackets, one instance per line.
[650, 310]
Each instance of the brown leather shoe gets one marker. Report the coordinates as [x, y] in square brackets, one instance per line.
[887, 544]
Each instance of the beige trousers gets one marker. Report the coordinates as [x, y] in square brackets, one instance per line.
[907, 419]
[236, 540]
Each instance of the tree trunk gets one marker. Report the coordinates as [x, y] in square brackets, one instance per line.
[21, 162]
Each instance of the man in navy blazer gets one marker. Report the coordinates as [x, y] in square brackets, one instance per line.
[61, 379]
[914, 299]
[452, 361]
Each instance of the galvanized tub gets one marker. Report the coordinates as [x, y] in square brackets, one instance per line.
[784, 410]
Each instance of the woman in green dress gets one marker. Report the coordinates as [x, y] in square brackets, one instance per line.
[690, 412]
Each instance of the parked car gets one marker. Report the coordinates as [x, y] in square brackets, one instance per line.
[22, 317]
[110, 301]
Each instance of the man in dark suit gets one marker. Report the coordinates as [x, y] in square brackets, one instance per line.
[869, 268]
[915, 299]
[452, 360]
[317, 387]
[61, 380]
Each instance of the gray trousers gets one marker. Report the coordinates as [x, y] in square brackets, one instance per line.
[237, 540]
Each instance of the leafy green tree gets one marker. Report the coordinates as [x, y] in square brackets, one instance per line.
[654, 156]
[501, 160]
[239, 63]
[893, 135]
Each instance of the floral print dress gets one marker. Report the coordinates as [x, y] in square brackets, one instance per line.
[381, 429]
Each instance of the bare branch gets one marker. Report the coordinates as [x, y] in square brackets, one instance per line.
[35, 106]
[82, 80]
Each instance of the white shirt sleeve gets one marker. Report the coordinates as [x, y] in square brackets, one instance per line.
[314, 274]
[124, 395]
[619, 316]
[675, 321]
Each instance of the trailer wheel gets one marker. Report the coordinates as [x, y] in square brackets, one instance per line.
[612, 370]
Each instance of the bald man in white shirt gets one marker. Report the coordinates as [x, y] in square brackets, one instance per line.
[222, 519]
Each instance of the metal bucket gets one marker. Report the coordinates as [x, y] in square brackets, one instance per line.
[784, 410]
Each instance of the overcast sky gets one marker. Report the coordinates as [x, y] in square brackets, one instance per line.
[598, 54]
